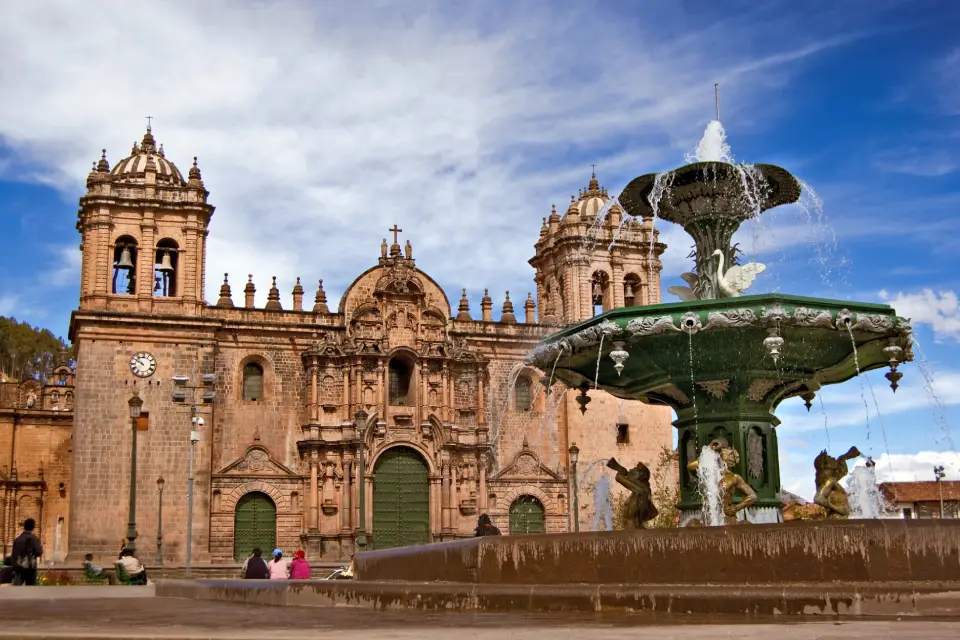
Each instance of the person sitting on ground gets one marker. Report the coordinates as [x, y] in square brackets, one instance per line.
[485, 527]
[133, 568]
[25, 554]
[96, 571]
[279, 568]
[6, 574]
[299, 567]
[255, 568]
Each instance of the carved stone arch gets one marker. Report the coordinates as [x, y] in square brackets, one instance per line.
[549, 502]
[367, 308]
[416, 446]
[228, 502]
[436, 426]
[269, 381]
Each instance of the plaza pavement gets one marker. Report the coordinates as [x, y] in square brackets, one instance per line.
[56, 613]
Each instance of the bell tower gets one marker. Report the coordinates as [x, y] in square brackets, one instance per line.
[143, 234]
[585, 266]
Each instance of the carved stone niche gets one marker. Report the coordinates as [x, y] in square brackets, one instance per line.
[426, 431]
[329, 507]
[468, 506]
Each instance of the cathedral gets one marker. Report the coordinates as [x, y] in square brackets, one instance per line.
[388, 419]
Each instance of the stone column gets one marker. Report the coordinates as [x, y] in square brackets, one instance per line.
[314, 511]
[384, 390]
[444, 392]
[445, 497]
[314, 414]
[481, 408]
[482, 493]
[345, 414]
[347, 506]
[454, 511]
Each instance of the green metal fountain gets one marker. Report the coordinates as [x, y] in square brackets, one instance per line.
[722, 360]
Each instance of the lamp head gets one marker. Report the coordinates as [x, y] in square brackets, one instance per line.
[136, 404]
[574, 452]
[160, 483]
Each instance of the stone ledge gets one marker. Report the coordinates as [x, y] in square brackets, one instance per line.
[849, 600]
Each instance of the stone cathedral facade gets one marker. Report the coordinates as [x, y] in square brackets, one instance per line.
[450, 422]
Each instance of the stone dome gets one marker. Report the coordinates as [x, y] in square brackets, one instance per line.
[132, 168]
[592, 199]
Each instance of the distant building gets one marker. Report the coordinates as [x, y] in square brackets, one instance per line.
[923, 499]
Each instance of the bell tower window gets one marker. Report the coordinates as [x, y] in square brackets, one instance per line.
[125, 256]
[631, 290]
[600, 292]
[165, 269]
[400, 373]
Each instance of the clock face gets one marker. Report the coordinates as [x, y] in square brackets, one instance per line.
[143, 364]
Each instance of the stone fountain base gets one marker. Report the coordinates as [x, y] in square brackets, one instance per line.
[842, 568]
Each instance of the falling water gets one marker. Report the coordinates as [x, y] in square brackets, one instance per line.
[825, 237]
[940, 412]
[596, 377]
[602, 509]
[713, 146]
[866, 501]
[883, 428]
[856, 362]
[661, 184]
[511, 383]
[710, 472]
[823, 410]
[693, 384]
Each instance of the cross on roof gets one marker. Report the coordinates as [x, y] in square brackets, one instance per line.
[395, 231]
[149, 118]
[593, 167]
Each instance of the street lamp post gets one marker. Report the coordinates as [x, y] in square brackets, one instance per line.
[360, 423]
[160, 522]
[136, 404]
[179, 395]
[574, 452]
[939, 474]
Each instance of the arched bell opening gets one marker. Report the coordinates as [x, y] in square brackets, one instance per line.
[631, 290]
[600, 292]
[125, 255]
[165, 269]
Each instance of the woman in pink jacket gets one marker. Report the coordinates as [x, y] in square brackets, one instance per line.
[279, 569]
[299, 568]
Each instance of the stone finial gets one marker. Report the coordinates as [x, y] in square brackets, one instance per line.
[136, 148]
[248, 292]
[506, 313]
[486, 307]
[225, 296]
[160, 151]
[383, 248]
[554, 218]
[530, 308]
[594, 187]
[544, 228]
[573, 209]
[463, 311]
[194, 173]
[320, 302]
[148, 145]
[298, 296]
[273, 297]
[103, 166]
[408, 251]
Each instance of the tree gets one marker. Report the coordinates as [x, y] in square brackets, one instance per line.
[28, 352]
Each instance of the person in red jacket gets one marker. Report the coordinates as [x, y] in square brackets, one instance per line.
[299, 567]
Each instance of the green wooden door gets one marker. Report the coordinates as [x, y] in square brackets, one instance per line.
[401, 499]
[526, 516]
[254, 525]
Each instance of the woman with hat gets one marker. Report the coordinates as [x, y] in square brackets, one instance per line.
[279, 568]
[299, 567]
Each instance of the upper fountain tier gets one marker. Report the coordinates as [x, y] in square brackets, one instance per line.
[711, 190]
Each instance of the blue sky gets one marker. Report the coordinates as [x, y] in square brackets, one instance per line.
[317, 127]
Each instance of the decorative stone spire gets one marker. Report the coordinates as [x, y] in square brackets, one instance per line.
[103, 166]
[148, 145]
[136, 148]
[529, 308]
[160, 152]
[225, 296]
[463, 311]
[298, 296]
[544, 228]
[554, 216]
[320, 302]
[573, 211]
[248, 292]
[594, 188]
[194, 173]
[273, 297]
[486, 307]
[506, 313]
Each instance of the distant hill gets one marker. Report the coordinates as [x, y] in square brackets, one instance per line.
[30, 352]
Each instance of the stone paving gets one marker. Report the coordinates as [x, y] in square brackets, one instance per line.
[45, 614]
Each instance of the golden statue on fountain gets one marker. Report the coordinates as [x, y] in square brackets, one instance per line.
[731, 483]
[830, 495]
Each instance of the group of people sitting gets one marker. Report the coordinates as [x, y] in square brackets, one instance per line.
[277, 568]
[128, 569]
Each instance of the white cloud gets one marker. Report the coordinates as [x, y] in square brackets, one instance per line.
[905, 467]
[938, 309]
[319, 125]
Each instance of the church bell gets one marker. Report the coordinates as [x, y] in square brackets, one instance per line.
[628, 291]
[597, 291]
[166, 266]
[125, 262]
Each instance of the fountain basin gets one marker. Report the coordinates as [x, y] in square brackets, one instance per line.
[725, 365]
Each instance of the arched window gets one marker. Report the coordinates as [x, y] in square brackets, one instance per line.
[252, 382]
[400, 372]
[631, 290]
[165, 269]
[125, 256]
[600, 292]
[521, 394]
